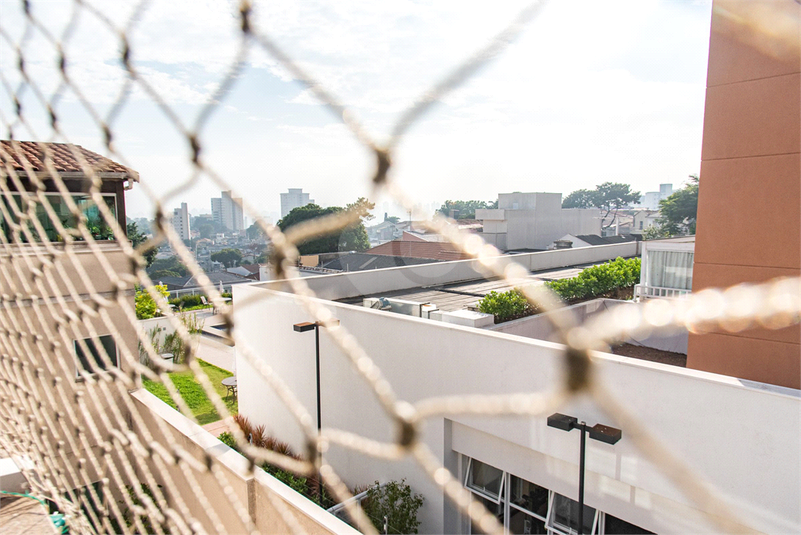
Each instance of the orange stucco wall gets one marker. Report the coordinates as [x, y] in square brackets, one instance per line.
[749, 201]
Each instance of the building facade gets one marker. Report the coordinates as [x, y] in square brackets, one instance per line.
[294, 198]
[525, 472]
[227, 211]
[180, 220]
[534, 221]
[750, 172]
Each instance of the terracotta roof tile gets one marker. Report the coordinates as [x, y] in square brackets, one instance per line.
[12, 153]
[415, 249]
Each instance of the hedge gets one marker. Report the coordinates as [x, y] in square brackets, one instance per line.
[598, 280]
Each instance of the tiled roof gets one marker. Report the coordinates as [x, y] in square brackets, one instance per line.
[415, 249]
[362, 261]
[64, 160]
[594, 239]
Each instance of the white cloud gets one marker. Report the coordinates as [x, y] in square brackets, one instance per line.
[590, 91]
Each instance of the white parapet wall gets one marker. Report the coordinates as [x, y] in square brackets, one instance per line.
[741, 438]
[344, 285]
[257, 492]
[541, 327]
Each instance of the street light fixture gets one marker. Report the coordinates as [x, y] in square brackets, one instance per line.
[315, 326]
[600, 432]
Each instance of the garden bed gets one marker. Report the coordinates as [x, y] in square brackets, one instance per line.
[193, 394]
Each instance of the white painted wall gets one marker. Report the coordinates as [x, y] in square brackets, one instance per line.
[541, 328]
[743, 437]
[343, 285]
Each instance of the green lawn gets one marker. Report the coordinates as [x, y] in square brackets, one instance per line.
[193, 393]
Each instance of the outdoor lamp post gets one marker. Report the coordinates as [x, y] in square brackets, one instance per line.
[315, 326]
[304, 328]
[600, 432]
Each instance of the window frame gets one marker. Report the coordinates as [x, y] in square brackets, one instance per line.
[13, 196]
[80, 370]
[479, 492]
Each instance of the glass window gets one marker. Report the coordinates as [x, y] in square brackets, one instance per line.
[493, 508]
[529, 496]
[616, 526]
[94, 221]
[102, 350]
[565, 514]
[484, 479]
[521, 523]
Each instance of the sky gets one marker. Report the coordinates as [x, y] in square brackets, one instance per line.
[589, 92]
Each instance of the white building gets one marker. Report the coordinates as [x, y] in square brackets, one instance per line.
[227, 211]
[650, 200]
[534, 221]
[294, 198]
[744, 445]
[667, 268]
[180, 220]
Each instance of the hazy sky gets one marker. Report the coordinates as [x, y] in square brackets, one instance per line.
[591, 91]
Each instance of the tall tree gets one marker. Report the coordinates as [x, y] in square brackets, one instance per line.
[351, 238]
[464, 209]
[581, 198]
[229, 257]
[679, 211]
[609, 197]
[138, 238]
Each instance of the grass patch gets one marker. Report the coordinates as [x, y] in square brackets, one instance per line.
[193, 393]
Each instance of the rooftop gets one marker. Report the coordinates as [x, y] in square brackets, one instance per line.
[18, 154]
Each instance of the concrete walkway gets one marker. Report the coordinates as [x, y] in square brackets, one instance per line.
[217, 353]
[215, 428]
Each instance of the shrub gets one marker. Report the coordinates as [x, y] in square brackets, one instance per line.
[187, 301]
[228, 439]
[257, 435]
[505, 305]
[146, 307]
[397, 503]
[598, 280]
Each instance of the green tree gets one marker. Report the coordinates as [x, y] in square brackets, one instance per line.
[229, 257]
[138, 238]
[609, 197]
[172, 263]
[145, 306]
[255, 232]
[679, 211]
[206, 230]
[392, 219]
[581, 198]
[464, 209]
[395, 502]
[351, 238]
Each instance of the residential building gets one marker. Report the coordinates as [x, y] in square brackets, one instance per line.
[362, 261]
[227, 211]
[750, 172]
[643, 219]
[180, 220]
[419, 248]
[17, 155]
[532, 221]
[524, 471]
[294, 198]
[589, 240]
[667, 268]
[191, 284]
[650, 200]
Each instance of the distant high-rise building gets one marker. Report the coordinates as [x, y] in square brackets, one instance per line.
[227, 211]
[650, 200]
[180, 220]
[294, 199]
